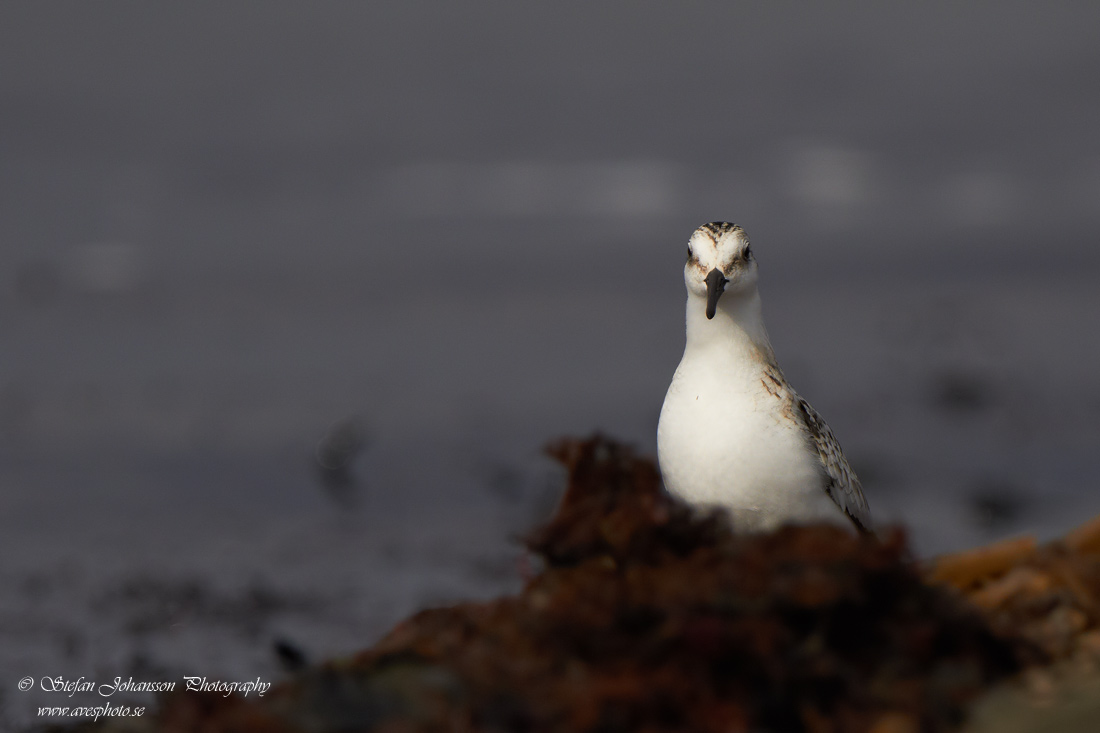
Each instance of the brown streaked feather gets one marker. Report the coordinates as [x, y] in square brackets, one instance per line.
[841, 483]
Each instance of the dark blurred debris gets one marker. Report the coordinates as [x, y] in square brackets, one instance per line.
[505, 482]
[72, 642]
[995, 503]
[290, 655]
[962, 392]
[647, 616]
[334, 460]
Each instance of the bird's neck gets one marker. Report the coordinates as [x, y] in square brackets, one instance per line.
[737, 326]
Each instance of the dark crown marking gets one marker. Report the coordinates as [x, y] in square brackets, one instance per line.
[718, 228]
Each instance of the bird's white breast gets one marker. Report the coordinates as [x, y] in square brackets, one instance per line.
[725, 439]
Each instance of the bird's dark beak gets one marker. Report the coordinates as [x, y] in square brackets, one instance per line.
[716, 283]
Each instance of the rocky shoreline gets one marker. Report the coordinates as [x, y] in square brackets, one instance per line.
[646, 616]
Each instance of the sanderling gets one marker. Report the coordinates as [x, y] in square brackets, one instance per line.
[733, 433]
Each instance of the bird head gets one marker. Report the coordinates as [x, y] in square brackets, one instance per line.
[719, 261]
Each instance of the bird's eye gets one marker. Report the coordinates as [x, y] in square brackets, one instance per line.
[690, 253]
[747, 254]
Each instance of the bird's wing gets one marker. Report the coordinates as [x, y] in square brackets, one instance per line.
[842, 485]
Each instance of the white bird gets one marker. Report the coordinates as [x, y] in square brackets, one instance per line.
[733, 433]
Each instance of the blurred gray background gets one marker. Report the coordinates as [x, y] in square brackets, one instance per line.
[240, 241]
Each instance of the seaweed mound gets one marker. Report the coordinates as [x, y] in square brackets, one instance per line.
[648, 616]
